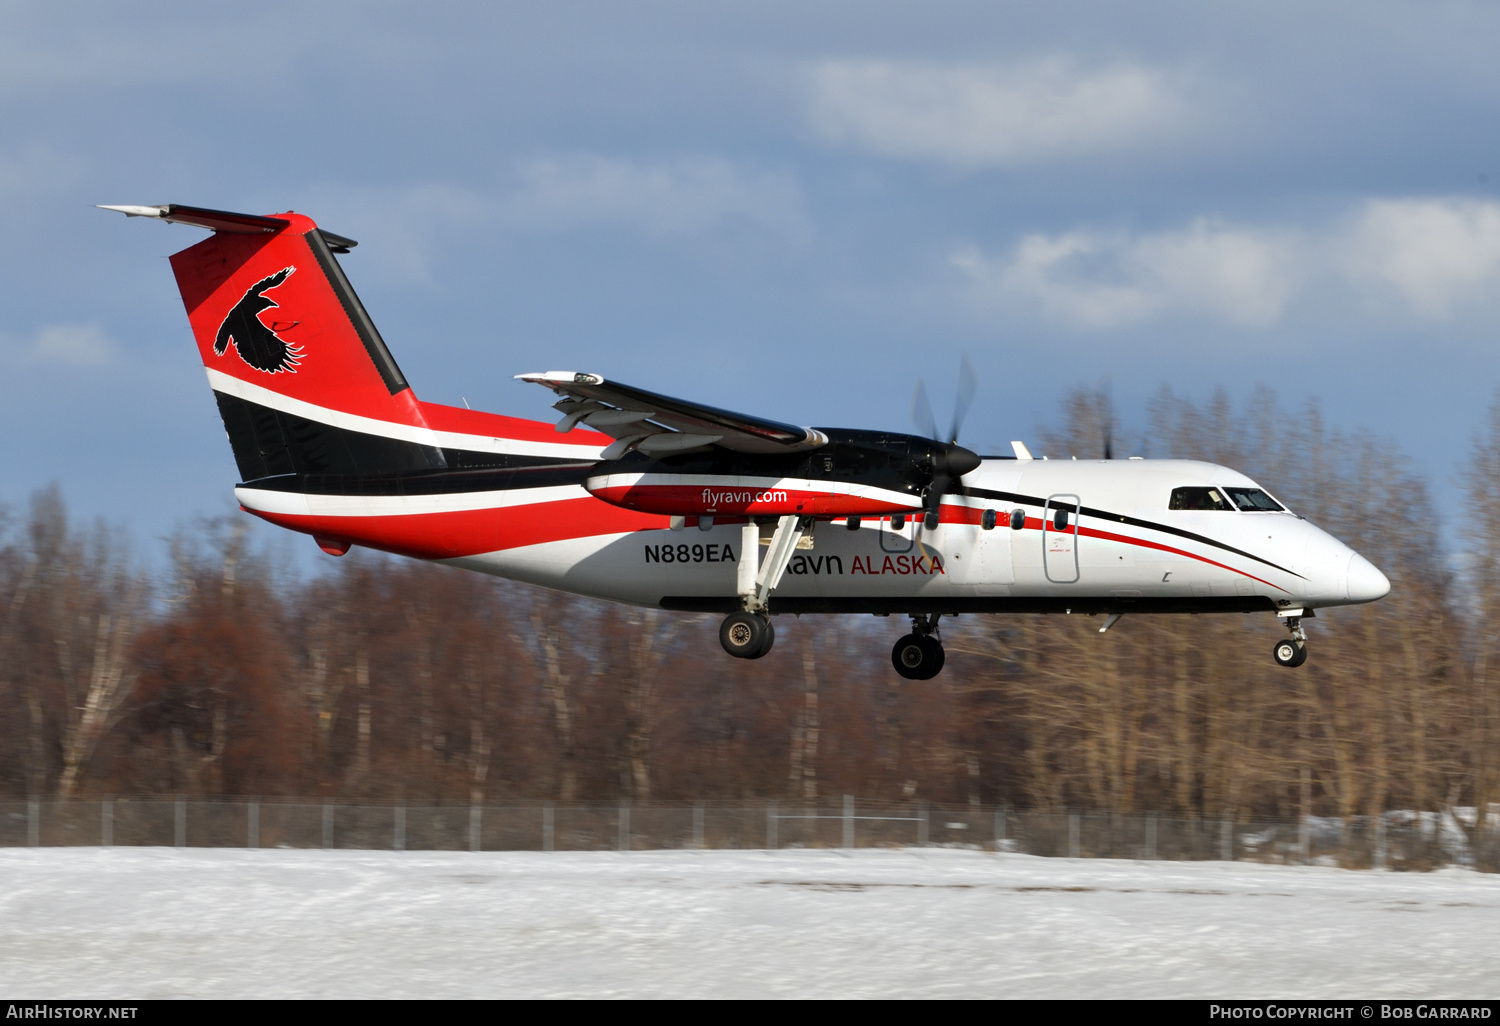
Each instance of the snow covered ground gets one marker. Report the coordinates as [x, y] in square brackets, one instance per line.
[161, 922]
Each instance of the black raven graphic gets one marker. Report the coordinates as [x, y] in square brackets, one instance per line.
[257, 344]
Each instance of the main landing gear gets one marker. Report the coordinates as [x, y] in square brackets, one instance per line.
[747, 635]
[1292, 651]
[919, 655]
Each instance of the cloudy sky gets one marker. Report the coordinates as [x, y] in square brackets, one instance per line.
[787, 208]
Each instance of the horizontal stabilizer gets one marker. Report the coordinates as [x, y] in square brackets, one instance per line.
[223, 221]
[214, 220]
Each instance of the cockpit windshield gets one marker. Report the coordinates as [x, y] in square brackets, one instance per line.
[1250, 500]
[1253, 500]
[1198, 498]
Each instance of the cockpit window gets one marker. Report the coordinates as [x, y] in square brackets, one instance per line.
[1254, 500]
[1198, 498]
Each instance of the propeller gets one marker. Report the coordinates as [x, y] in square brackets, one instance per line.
[950, 461]
[1106, 390]
[968, 382]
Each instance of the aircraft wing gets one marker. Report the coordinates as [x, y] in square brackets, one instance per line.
[658, 424]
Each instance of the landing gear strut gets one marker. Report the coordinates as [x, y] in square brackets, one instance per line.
[748, 634]
[1292, 651]
[919, 655]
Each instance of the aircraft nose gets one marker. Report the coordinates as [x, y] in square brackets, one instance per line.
[1366, 584]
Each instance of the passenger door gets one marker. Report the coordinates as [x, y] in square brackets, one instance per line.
[1060, 538]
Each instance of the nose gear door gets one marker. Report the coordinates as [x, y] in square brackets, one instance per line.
[1060, 538]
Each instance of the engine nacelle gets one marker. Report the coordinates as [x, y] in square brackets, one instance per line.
[705, 495]
[856, 474]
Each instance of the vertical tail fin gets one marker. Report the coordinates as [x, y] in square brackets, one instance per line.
[303, 380]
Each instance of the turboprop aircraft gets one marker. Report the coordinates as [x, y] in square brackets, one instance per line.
[645, 499]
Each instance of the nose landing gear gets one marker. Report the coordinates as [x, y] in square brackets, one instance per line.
[1292, 651]
[919, 655]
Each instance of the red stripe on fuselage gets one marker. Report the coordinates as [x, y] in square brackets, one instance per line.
[477, 422]
[724, 500]
[1035, 524]
[951, 514]
[468, 532]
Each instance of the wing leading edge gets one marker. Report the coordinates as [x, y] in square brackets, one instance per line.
[659, 424]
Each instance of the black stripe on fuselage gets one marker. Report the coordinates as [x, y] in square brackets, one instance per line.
[899, 606]
[431, 482]
[270, 445]
[1120, 518]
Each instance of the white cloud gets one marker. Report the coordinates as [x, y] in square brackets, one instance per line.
[975, 116]
[669, 197]
[1104, 281]
[70, 345]
[1439, 255]
[1426, 259]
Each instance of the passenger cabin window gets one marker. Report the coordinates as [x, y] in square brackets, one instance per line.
[1253, 500]
[1198, 498]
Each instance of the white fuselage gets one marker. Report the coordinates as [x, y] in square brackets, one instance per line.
[1121, 547]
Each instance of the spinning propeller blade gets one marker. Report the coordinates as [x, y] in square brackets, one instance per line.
[1106, 391]
[950, 461]
[921, 411]
[968, 382]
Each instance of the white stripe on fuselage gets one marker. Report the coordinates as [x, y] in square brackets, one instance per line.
[263, 500]
[221, 382]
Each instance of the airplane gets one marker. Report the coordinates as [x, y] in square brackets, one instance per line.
[641, 498]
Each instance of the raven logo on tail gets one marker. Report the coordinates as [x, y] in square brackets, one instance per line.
[257, 344]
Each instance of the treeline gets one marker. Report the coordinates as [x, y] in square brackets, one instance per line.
[390, 679]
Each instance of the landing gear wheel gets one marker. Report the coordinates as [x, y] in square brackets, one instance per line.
[746, 635]
[770, 640]
[939, 657]
[918, 657]
[1289, 653]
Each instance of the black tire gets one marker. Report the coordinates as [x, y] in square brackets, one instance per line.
[939, 657]
[916, 657]
[909, 657]
[1288, 653]
[765, 646]
[744, 635]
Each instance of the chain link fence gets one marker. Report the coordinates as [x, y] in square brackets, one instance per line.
[1397, 840]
